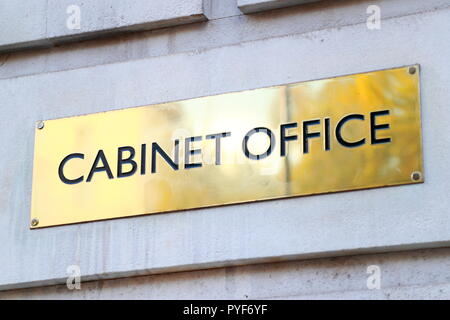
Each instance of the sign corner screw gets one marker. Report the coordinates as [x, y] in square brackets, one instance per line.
[412, 70]
[40, 125]
[416, 176]
[34, 222]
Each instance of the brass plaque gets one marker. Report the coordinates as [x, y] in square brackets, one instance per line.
[345, 133]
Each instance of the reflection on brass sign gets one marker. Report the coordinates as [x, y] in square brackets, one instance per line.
[345, 133]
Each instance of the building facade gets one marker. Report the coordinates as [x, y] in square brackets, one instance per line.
[63, 58]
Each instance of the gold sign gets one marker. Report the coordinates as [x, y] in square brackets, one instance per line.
[345, 133]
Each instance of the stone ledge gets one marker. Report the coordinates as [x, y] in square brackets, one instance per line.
[43, 23]
[251, 6]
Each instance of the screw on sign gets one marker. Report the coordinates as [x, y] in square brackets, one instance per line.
[34, 222]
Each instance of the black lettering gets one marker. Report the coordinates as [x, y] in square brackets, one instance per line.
[157, 149]
[61, 169]
[252, 156]
[307, 135]
[143, 158]
[284, 137]
[374, 127]
[105, 167]
[121, 161]
[327, 145]
[339, 126]
[217, 137]
[190, 152]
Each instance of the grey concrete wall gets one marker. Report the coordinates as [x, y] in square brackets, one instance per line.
[423, 274]
[228, 27]
[231, 52]
[43, 23]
